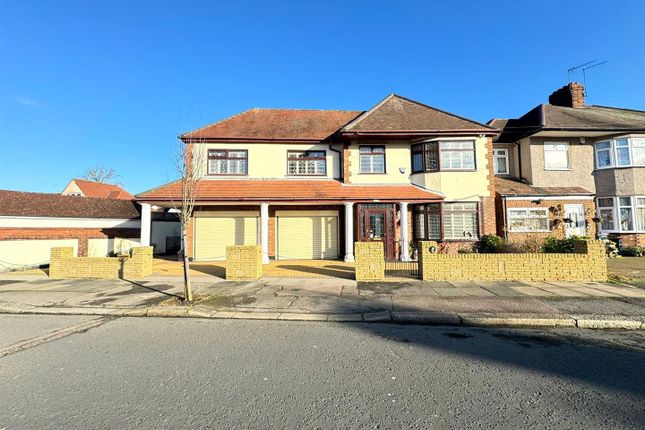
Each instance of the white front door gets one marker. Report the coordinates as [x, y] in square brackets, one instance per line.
[576, 213]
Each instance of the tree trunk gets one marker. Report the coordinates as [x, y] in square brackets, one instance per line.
[188, 291]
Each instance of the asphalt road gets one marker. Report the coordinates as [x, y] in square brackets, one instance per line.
[192, 373]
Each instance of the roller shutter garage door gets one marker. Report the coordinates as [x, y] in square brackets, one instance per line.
[307, 237]
[214, 234]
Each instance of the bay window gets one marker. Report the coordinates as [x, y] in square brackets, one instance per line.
[447, 221]
[227, 162]
[528, 219]
[620, 152]
[309, 163]
[444, 155]
[622, 214]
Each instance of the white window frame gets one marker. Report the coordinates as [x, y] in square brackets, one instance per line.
[546, 167]
[613, 151]
[633, 205]
[527, 215]
[506, 161]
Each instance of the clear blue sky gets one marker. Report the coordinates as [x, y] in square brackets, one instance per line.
[112, 83]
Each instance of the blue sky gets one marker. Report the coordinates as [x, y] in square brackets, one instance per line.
[113, 83]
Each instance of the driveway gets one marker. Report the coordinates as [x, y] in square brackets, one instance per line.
[628, 269]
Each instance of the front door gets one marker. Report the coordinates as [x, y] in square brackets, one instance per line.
[378, 226]
[575, 214]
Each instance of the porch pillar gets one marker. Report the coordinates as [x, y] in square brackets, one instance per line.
[145, 223]
[405, 251]
[264, 231]
[349, 231]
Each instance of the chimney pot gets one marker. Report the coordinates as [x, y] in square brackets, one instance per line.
[572, 95]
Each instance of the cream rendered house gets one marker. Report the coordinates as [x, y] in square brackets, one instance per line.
[306, 184]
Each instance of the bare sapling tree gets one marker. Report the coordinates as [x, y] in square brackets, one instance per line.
[189, 178]
[100, 174]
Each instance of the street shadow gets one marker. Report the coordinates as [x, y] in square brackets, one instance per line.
[157, 289]
[327, 271]
[211, 269]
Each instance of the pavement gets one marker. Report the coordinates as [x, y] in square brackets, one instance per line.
[404, 301]
[167, 373]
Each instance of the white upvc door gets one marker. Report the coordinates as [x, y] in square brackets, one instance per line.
[576, 213]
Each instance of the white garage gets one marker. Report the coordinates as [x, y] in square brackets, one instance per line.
[304, 235]
[214, 231]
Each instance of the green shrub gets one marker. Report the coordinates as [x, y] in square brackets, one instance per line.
[633, 251]
[491, 244]
[551, 245]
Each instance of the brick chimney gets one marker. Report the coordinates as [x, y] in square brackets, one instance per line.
[572, 95]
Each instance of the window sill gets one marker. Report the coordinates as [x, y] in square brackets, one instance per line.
[446, 170]
[631, 166]
[558, 170]
[375, 173]
[219, 175]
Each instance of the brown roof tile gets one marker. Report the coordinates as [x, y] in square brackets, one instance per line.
[275, 124]
[514, 187]
[399, 114]
[289, 190]
[100, 190]
[18, 203]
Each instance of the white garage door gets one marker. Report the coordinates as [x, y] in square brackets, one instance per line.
[214, 234]
[307, 237]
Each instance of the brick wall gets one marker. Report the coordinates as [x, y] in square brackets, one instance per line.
[628, 240]
[82, 234]
[64, 265]
[556, 231]
[587, 264]
[370, 261]
[243, 262]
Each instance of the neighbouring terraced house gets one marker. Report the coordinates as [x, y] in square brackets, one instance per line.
[306, 184]
[560, 161]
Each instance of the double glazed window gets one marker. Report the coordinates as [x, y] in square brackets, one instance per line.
[310, 163]
[372, 159]
[621, 152]
[443, 155]
[227, 162]
[457, 221]
[528, 219]
[556, 156]
[500, 161]
[622, 214]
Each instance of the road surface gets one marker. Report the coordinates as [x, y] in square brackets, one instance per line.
[192, 373]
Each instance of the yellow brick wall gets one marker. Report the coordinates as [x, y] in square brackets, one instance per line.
[65, 265]
[370, 261]
[587, 264]
[243, 262]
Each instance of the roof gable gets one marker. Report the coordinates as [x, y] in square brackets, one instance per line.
[101, 190]
[275, 124]
[399, 114]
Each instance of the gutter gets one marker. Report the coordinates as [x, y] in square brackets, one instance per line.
[341, 170]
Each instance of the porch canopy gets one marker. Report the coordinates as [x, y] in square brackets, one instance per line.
[263, 192]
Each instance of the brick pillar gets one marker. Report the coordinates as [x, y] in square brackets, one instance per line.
[346, 164]
[82, 246]
[488, 224]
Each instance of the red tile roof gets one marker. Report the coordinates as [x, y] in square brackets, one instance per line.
[275, 124]
[102, 191]
[290, 190]
[17, 203]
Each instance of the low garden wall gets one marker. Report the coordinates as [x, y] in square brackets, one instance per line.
[64, 264]
[243, 262]
[587, 263]
[370, 261]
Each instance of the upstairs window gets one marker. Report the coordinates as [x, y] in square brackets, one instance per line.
[227, 162]
[372, 159]
[443, 155]
[621, 152]
[500, 161]
[308, 163]
[556, 156]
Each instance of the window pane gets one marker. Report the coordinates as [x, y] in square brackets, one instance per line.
[556, 156]
[622, 156]
[607, 219]
[417, 162]
[460, 221]
[603, 145]
[606, 203]
[467, 160]
[237, 154]
[365, 149]
[626, 219]
[434, 221]
[419, 226]
[639, 155]
[624, 201]
[604, 158]
[640, 219]
[640, 201]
